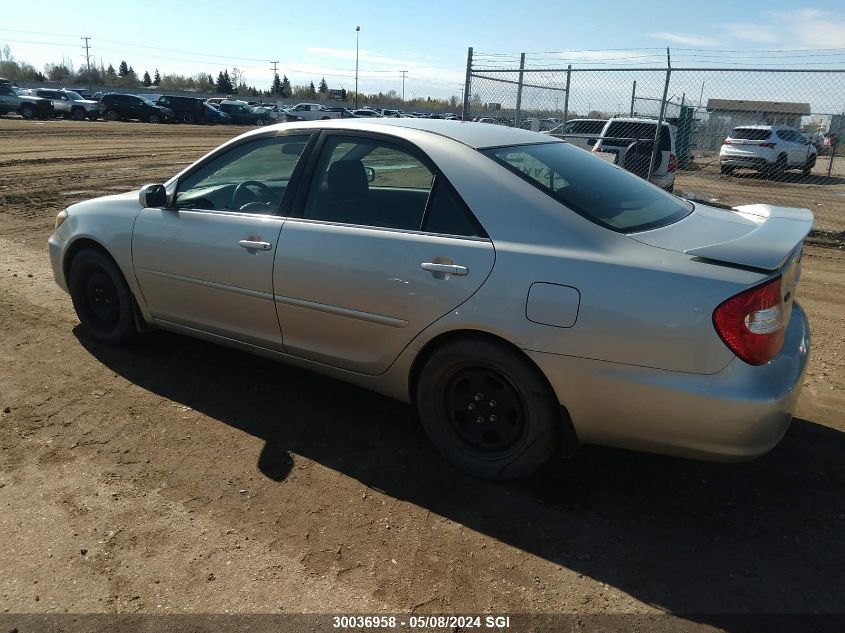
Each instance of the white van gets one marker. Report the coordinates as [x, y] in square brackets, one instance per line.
[628, 142]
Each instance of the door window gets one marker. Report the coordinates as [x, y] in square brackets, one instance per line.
[369, 182]
[250, 178]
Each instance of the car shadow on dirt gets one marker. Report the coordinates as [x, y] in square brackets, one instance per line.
[696, 539]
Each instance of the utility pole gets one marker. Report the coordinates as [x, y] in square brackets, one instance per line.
[87, 47]
[275, 71]
[404, 72]
[357, 31]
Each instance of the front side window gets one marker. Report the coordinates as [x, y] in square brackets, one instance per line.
[603, 193]
[250, 178]
[369, 182]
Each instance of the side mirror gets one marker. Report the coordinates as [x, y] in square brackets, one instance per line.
[152, 196]
[371, 174]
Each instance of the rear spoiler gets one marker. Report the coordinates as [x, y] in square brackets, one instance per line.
[768, 246]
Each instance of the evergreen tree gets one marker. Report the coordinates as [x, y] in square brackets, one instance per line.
[286, 89]
[324, 87]
[220, 85]
[123, 69]
[276, 88]
[111, 75]
[147, 81]
[228, 82]
[211, 81]
[312, 92]
[157, 78]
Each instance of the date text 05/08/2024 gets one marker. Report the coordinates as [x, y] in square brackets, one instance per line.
[448, 622]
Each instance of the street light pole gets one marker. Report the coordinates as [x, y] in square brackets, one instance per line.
[357, 30]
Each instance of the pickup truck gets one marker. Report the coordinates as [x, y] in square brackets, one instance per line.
[311, 112]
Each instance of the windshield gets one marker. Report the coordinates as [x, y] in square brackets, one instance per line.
[601, 192]
[145, 100]
[73, 96]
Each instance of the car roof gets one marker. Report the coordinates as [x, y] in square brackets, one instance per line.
[472, 134]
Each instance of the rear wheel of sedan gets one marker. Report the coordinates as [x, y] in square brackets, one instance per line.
[28, 112]
[154, 118]
[110, 115]
[187, 118]
[488, 409]
[78, 114]
[101, 298]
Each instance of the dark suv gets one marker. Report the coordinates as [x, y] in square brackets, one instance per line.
[186, 109]
[120, 107]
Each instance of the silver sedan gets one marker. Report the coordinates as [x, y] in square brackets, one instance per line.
[524, 295]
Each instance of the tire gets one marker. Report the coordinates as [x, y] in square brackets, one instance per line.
[101, 298]
[777, 169]
[516, 426]
[78, 114]
[93, 117]
[807, 169]
[110, 115]
[154, 118]
[727, 170]
[27, 112]
[187, 118]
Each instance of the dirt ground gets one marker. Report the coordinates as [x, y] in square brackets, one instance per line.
[177, 476]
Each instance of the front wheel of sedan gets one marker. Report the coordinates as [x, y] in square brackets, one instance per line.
[488, 409]
[101, 298]
[154, 118]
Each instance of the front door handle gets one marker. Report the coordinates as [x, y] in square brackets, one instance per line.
[446, 269]
[255, 246]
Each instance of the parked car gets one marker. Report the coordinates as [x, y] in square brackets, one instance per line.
[84, 93]
[310, 112]
[365, 112]
[121, 107]
[768, 149]
[390, 113]
[28, 106]
[215, 116]
[580, 132]
[345, 113]
[629, 142]
[70, 105]
[242, 113]
[508, 334]
[186, 109]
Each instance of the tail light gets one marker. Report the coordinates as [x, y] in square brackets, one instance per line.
[727, 141]
[673, 163]
[768, 145]
[752, 323]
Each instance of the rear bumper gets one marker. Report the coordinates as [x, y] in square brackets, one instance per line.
[756, 162]
[739, 413]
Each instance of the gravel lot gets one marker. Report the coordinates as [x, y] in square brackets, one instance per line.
[176, 476]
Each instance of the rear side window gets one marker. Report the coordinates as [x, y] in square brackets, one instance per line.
[603, 193]
[750, 134]
[447, 214]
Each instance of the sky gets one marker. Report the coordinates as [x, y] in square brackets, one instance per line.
[312, 39]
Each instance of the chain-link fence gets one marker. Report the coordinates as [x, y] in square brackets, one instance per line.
[725, 136]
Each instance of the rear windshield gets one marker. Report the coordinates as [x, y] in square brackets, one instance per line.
[601, 192]
[584, 127]
[623, 132]
[750, 133]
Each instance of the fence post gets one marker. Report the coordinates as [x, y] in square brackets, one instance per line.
[633, 96]
[566, 98]
[659, 128]
[467, 82]
[519, 90]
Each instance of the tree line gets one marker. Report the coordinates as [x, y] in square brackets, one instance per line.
[228, 82]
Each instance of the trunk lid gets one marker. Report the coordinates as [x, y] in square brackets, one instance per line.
[755, 235]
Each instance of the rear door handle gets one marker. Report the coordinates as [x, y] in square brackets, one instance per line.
[255, 246]
[448, 269]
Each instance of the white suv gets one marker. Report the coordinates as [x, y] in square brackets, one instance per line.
[769, 149]
[629, 142]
